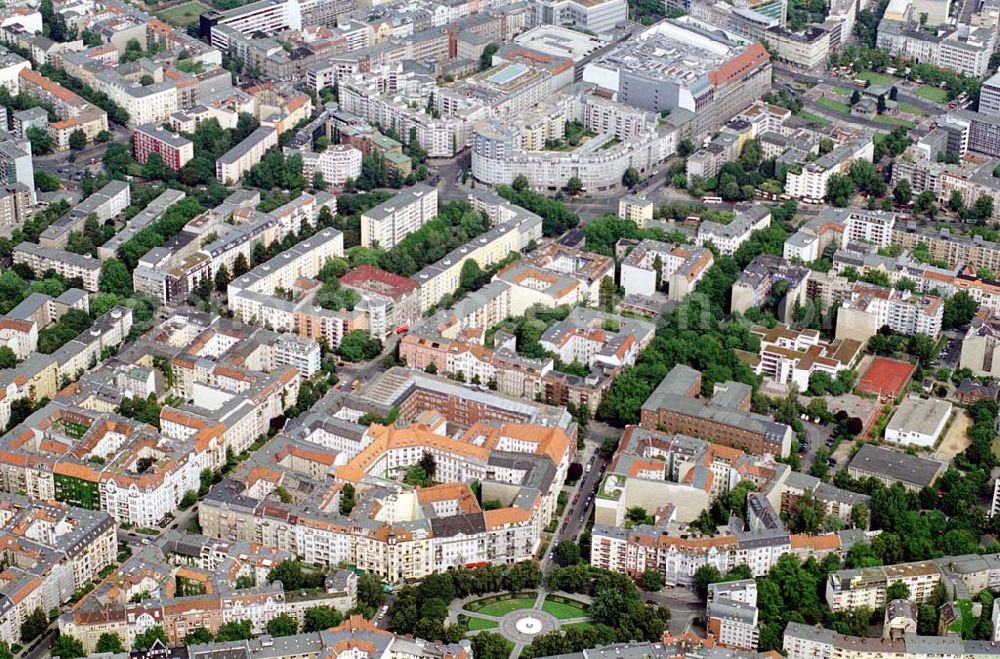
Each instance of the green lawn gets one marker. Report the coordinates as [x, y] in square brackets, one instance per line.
[183, 15]
[834, 106]
[476, 624]
[875, 78]
[911, 109]
[499, 609]
[893, 121]
[563, 611]
[578, 625]
[932, 94]
[842, 91]
[814, 118]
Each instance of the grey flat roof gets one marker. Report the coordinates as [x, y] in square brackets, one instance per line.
[896, 466]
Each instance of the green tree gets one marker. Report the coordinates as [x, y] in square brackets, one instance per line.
[574, 185]
[145, 640]
[34, 625]
[471, 274]
[115, 278]
[77, 140]
[651, 580]
[282, 625]
[67, 647]
[7, 357]
[705, 576]
[567, 553]
[358, 345]
[958, 310]
[189, 499]
[198, 636]
[855, 97]
[318, 618]
[925, 203]
[347, 499]
[110, 642]
[156, 169]
[116, 160]
[897, 591]
[289, 573]
[486, 57]
[839, 190]
[490, 645]
[902, 192]
[955, 202]
[40, 139]
[234, 630]
[47, 182]
[859, 516]
[222, 278]
[246, 124]
[630, 178]
[240, 266]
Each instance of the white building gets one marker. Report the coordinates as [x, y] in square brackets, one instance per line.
[808, 181]
[388, 223]
[918, 421]
[337, 164]
[728, 237]
[233, 164]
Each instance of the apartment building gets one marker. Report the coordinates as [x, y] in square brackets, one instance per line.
[67, 264]
[406, 538]
[19, 328]
[962, 50]
[153, 211]
[869, 227]
[16, 162]
[679, 555]
[265, 16]
[53, 550]
[734, 624]
[257, 297]
[175, 150]
[792, 356]
[728, 237]
[74, 112]
[197, 582]
[105, 204]
[725, 418]
[653, 265]
[869, 308]
[755, 284]
[233, 164]
[390, 222]
[15, 207]
[980, 349]
[808, 181]
[391, 302]
[337, 164]
[442, 277]
[636, 209]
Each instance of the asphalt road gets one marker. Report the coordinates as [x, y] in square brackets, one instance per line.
[40, 646]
